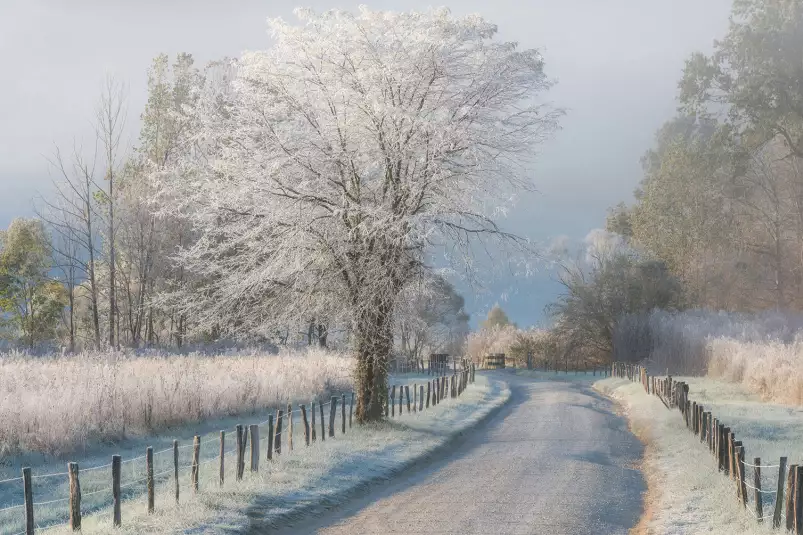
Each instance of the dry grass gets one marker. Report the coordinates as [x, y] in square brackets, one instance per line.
[773, 370]
[58, 405]
[305, 481]
[763, 352]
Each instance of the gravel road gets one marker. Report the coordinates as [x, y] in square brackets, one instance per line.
[556, 460]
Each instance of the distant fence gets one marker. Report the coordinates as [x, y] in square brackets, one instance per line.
[247, 445]
[729, 453]
[436, 364]
[496, 361]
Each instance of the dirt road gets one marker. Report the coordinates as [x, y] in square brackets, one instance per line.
[556, 460]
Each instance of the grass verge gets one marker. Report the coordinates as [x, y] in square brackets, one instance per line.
[686, 493]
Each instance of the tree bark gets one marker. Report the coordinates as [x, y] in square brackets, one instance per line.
[373, 341]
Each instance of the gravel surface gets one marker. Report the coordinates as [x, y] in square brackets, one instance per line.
[556, 460]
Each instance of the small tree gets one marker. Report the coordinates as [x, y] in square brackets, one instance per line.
[31, 299]
[496, 318]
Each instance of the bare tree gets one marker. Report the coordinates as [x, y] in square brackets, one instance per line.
[71, 216]
[109, 126]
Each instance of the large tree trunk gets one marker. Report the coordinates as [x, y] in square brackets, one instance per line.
[323, 332]
[373, 340]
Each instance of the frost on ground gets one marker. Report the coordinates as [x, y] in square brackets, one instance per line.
[305, 481]
[687, 495]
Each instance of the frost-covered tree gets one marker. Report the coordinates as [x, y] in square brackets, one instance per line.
[338, 161]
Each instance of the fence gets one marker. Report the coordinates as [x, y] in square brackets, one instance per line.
[162, 466]
[431, 366]
[497, 361]
[729, 453]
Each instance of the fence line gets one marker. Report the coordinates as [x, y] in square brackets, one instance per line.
[435, 388]
[786, 509]
[496, 361]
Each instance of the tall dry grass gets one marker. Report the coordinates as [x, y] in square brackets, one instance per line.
[763, 352]
[771, 369]
[58, 405]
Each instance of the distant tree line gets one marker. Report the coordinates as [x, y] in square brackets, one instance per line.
[718, 217]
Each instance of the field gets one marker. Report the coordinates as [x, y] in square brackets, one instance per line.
[62, 405]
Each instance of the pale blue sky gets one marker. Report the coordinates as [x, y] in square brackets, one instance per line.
[617, 63]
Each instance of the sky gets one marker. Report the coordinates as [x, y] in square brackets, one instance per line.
[616, 64]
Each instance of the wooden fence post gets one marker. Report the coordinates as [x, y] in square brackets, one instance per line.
[343, 414]
[196, 462]
[415, 397]
[116, 469]
[175, 466]
[351, 408]
[149, 478]
[239, 445]
[271, 434]
[277, 441]
[244, 445]
[306, 424]
[758, 498]
[429, 387]
[421, 398]
[791, 485]
[332, 412]
[28, 491]
[714, 435]
[393, 401]
[289, 428]
[407, 393]
[687, 413]
[323, 422]
[776, 516]
[740, 474]
[731, 455]
[75, 497]
[312, 423]
[254, 430]
[799, 500]
[222, 475]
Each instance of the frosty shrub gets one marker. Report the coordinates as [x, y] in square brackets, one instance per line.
[773, 369]
[59, 404]
[496, 339]
[515, 343]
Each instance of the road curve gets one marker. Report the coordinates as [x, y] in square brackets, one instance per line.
[556, 460]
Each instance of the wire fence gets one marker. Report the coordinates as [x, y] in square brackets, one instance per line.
[47, 501]
[768, 492]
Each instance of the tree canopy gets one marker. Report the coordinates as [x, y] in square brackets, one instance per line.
[29, 297]
[336, 162]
